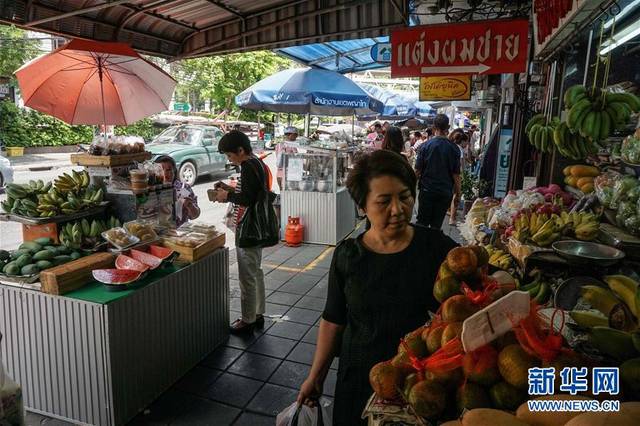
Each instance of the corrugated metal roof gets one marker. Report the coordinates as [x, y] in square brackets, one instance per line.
[189, 28]
[341, 56]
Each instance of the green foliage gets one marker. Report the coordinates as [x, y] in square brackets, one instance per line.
[15, 49]
[22, 127]
[143, 128]
[220, 78]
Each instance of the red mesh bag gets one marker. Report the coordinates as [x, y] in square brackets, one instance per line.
[538, 339]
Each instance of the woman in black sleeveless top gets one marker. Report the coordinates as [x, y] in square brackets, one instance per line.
[380, 284]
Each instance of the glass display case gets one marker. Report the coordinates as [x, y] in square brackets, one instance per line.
[316, 169]
[314, 190]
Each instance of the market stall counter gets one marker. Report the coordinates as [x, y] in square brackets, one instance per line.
[99, 357]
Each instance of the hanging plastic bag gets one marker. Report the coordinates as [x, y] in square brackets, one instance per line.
[11, 406]
[303, 415]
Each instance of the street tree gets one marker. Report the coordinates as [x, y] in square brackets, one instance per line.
[15, 49]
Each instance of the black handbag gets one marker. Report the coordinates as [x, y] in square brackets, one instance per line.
[259, 226]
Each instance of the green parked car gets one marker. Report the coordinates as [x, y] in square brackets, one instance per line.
[194, 148]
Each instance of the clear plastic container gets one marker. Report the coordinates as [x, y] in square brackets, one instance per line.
[120, 238]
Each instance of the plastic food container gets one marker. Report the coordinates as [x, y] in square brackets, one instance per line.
[120, 238]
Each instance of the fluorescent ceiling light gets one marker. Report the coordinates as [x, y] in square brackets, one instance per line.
[628, 8]
[626, 34]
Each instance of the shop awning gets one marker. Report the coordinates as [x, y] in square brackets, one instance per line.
[190, 28]
[342, 56]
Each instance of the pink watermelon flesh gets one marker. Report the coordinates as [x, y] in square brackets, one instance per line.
[126, 262]
[160, 252]
[148, 259]
[116, 276]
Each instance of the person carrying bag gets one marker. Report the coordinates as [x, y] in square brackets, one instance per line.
[257, 228]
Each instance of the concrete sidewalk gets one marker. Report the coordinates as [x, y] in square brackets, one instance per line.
[36, 162]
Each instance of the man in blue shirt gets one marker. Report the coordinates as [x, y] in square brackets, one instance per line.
[438, 171]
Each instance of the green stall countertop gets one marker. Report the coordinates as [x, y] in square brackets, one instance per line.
[96, 292]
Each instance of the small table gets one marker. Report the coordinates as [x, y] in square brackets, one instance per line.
[100, 357]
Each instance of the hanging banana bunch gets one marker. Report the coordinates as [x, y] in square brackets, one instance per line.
[540, 132]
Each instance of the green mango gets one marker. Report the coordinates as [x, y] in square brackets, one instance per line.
[44, 264]
[24, 260]
[30, 269]
[63, 258]
[44, 241]
[52, 249]
[43, 255]
[31, 246]
[17, 253]
[11, 269]
[63, 250]
[75, 255]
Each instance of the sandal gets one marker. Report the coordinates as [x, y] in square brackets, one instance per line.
[241, 327]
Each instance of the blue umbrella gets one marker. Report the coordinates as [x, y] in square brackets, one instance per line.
[424, 109]
[396, 107]
[308, 91]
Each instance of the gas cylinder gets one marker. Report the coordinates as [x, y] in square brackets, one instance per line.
[293, 232]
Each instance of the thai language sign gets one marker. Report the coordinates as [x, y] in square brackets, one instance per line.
[486, 47]
[445, 88]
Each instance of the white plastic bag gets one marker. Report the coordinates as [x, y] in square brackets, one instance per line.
[11, 407]
[295, 415]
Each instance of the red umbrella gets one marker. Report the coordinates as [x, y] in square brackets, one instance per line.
[88, 82]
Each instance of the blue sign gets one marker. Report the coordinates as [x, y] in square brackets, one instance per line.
[381, 52]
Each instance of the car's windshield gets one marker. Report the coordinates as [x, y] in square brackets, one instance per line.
[182, 135]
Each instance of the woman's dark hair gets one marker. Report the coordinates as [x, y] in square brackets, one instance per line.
[233, 141]
[393, 140]
[417, 134]
[458, 136]
[429, 132]
[166, 159]
[379, 163]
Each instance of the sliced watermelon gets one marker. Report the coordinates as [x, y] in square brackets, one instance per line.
[148, 259]
[126, 262]
[116, 276]
[161, 252]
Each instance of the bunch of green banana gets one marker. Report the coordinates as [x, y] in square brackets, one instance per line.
[85, 233]
[597, 114]
[539, 290]
[540, 132]
[572, 145]
[499, 258]
[73, 183]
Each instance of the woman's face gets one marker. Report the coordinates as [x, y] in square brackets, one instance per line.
[167, 169]
[389, 205]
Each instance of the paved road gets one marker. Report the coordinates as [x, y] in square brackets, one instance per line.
[213, 213]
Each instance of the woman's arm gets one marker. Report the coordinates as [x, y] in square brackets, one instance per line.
[329, 336]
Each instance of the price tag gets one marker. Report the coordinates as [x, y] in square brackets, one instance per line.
[295, 169]
[495, 320]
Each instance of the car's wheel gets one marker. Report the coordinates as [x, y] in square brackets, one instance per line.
[188, 173]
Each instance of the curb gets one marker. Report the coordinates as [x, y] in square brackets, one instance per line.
[37, 168]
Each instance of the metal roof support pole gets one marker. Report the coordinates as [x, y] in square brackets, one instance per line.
[77, 12]
[586, 61]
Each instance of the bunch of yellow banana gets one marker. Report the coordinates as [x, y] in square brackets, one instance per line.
[596, 114]
[499, 258]
[584, 225]
[74, 183]
[539, 228]
[572, 145]
[540, 131]
[627, 290]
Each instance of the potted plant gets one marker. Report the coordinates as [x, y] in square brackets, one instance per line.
[467, 189]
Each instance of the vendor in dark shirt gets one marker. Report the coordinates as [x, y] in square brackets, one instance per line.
[380, 284]
[438, 171]
[253, 177]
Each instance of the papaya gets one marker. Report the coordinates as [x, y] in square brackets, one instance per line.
[582, 170]
[585, 180]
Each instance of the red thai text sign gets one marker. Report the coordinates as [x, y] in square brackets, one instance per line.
[487, 47]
